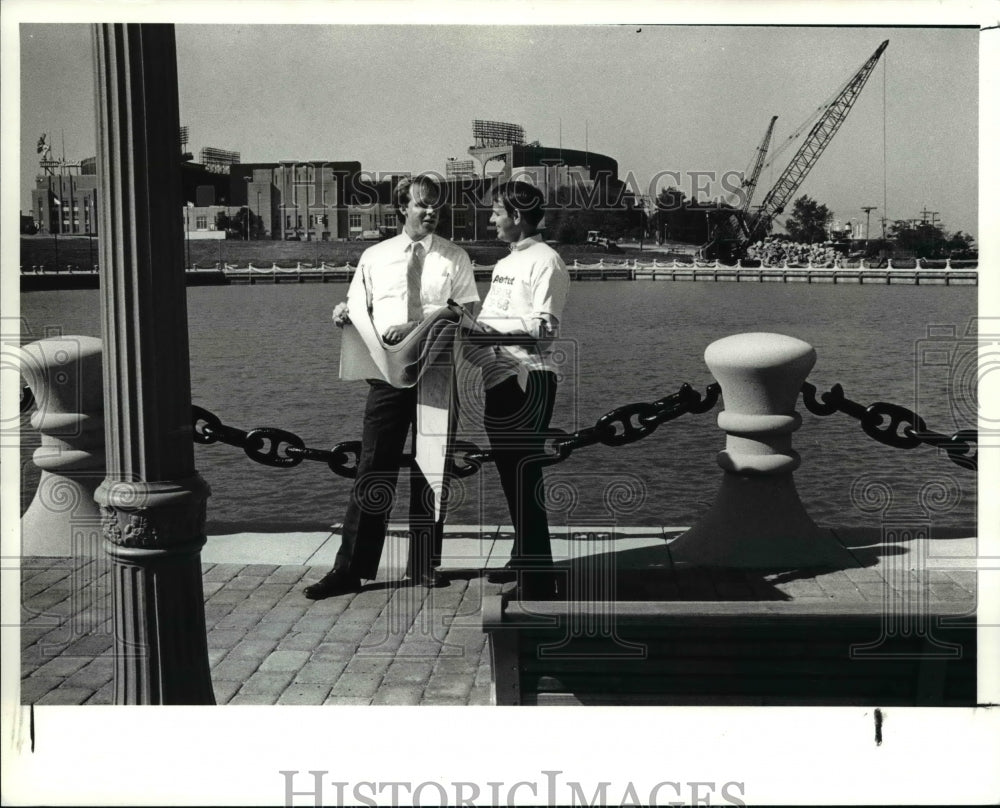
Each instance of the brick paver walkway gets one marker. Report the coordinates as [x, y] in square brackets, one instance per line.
[391, 643]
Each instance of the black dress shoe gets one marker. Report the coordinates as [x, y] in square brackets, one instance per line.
[333, 583]
[432, 579]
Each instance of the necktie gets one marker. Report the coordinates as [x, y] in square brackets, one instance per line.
[414, 269]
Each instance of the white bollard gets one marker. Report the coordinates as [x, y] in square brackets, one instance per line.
[64, 374]
[757, 519]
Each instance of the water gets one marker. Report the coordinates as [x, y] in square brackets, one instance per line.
[268, 356]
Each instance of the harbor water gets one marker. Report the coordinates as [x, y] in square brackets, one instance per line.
[268, 355]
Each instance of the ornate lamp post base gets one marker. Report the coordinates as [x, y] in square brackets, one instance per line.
[153, 535]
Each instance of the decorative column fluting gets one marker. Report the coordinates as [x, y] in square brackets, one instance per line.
[152, 500]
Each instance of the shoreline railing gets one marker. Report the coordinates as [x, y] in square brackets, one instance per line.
[915, 271]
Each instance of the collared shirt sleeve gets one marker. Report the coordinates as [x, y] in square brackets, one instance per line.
[463, 282]
[357, 297]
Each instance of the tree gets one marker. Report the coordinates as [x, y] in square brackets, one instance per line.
[920, 239]
[670, 204]
[961, 245]
[808, 221]
[246, 225]
[927, 240]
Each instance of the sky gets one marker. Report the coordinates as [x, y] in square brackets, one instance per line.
[657, 98]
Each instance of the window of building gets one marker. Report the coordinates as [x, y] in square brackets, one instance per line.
[459, 217]
[201, 222]
[354, 221]
[298, 221]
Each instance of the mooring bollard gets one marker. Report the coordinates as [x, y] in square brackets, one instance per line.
[757, 519]
[64, 374]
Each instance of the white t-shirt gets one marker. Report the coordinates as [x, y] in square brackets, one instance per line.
[532, 282]
[447, 273]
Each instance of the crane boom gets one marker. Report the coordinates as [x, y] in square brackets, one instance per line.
[811, 149]
[751, 184]
[733, 225]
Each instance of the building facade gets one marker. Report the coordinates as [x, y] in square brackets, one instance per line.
[296, 200]
[202, 221]
[65, 203]
[318, 199]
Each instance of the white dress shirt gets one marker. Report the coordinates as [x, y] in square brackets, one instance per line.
[447, 273]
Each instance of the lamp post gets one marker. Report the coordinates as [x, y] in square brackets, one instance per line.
[55, 230]
[868, 213]
[153, 501]
[90, 232]
[187, 230]
[258, 205]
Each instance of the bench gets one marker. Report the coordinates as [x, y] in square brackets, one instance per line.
[777, 652]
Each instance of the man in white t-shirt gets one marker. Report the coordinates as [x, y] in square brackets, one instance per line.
[526, 297]
[403, 279]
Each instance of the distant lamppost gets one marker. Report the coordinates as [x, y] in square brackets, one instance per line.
[187, 230]
[90, 232]
[258, 206]
[868, 213]
[55, 230]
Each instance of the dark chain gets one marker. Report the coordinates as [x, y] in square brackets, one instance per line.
[893, 425]
[617, 428]
[27, 399]
[264, 445]
[280, 448]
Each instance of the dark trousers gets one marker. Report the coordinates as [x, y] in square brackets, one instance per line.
[390, 415]
[515, 422]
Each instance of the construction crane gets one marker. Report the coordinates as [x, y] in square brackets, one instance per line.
[735, 221]
[751, 183]
[737, 239]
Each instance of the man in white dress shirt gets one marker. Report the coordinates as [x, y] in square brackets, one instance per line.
[404, 279]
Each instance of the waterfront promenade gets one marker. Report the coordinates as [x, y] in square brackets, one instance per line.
[394, 644]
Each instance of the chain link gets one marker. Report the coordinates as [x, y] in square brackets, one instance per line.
[27, 399]
[561, 445]
[280, 448]
[893, 425]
